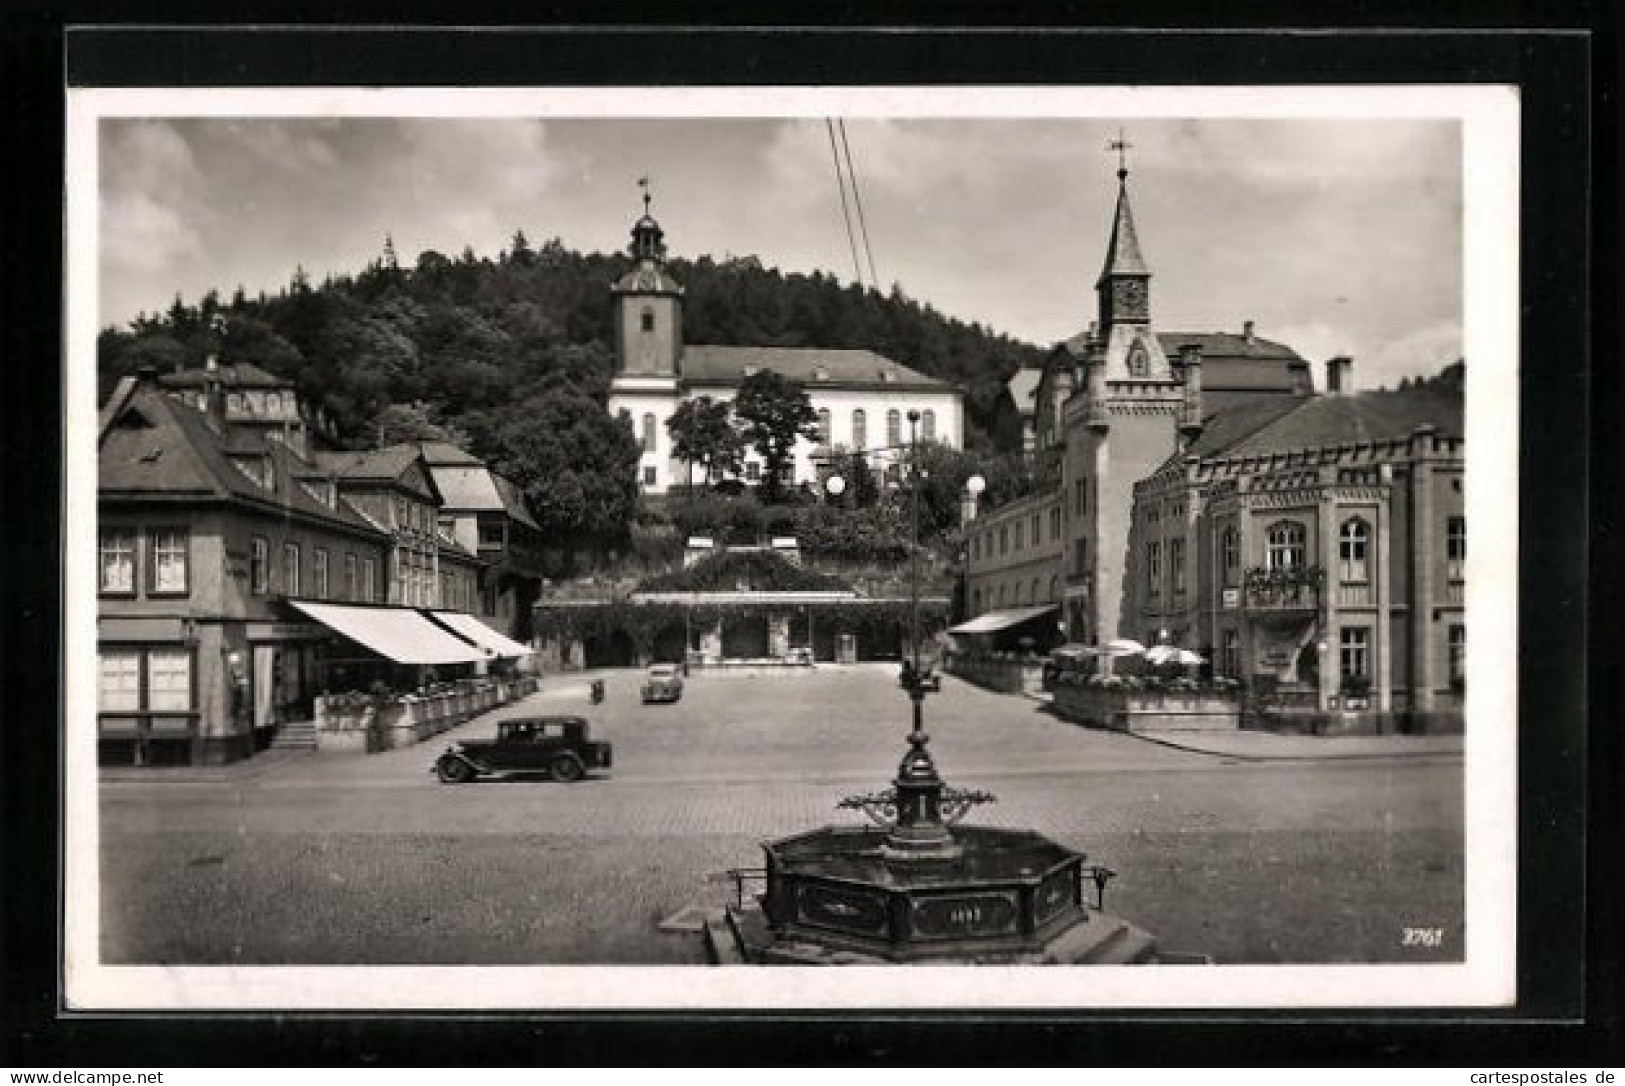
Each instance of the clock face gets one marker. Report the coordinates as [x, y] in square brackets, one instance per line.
[1131, 298]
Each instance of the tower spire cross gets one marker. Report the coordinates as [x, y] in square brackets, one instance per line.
[643, 183]
[1121, 146]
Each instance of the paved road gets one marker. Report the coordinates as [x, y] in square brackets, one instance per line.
[367, 859]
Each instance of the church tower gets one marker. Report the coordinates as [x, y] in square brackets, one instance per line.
[648, 315]
[1123, 423]
[648, 306]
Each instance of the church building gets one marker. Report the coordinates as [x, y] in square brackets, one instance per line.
[862, 399]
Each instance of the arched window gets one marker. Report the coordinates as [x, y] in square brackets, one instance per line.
[649, 432]
[894, 427]
[823, 425]
[860, 429]
[1230, 557]
[1284, 549]
[1352, 544]
[928, 425]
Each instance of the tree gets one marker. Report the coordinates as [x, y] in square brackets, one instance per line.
[702, 432]
[416, 421]
[575, 463]
[776, 413]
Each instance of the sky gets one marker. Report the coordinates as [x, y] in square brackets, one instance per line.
[1332, 236]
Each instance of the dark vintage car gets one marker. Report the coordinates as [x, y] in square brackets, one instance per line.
[555, 745]
[929, 679]
[664, 682]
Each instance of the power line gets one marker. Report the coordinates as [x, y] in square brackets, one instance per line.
[857, 200]
[846, 213]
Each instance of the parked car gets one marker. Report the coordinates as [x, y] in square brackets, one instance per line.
[556, 745]
[664, 682]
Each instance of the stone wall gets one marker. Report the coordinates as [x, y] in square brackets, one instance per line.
[1007, 674]
[1142, 710]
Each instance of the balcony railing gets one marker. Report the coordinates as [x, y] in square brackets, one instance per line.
[1354, 595]
[1291, 588]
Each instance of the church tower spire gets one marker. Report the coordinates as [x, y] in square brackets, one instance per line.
[1123, 290]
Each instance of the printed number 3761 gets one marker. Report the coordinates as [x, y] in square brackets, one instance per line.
[1422, 937]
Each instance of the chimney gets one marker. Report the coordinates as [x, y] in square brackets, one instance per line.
[1190, 365]
[1247, 332]
[1339, 375]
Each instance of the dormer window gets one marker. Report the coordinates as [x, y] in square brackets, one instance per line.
[257, 468]
[887, 376]
[820, 373]
[749, 371]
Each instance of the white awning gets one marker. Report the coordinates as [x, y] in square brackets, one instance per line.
[994, 621]
[399, 633]
[467, 626]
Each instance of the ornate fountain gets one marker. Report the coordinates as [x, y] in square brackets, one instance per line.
[918, 887]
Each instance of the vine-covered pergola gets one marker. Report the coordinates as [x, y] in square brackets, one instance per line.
[735, 605]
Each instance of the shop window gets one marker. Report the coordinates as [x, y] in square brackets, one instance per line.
[1284, 546]
[145, 705]
[1353, 542]
[117, 561]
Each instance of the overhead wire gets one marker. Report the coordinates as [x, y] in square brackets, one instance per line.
[857, 200]
[846, 212]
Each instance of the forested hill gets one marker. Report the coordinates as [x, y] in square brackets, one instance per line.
[470, 341]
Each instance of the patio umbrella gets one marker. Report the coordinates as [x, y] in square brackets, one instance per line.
[1160, 654]
[1187, 658]
[1124, 646]
[1075, 651]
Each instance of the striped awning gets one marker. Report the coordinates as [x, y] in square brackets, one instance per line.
[399, 633]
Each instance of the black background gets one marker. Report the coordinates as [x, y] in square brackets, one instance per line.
[1568, 975]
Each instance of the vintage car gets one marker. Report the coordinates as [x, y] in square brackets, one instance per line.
[929, 679]
[664, 682]
[555, 745]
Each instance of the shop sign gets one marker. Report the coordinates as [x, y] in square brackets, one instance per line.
[1232, 598]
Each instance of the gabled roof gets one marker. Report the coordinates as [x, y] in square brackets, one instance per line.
[437, 453]
[715, 364]
[1216, 346]
[230, 375]
[174, 453]
[1023, 386]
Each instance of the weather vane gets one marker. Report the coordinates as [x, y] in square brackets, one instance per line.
[643, 183]
[1121, 146]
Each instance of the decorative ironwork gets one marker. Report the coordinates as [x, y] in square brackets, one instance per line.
[881, 807]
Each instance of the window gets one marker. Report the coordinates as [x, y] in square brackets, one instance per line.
[1285, 546]
[1054, 589]
[1458, 656]
[1018, 535]
[860, 429]
[1080, 497]
[1352, 541]
[1034, 597]
[1004, 539]
[259, 566]
[753, 471]
[273, 404]
[369, 579]
[318, 573]
[1354, 652]
[1230, 654]
[823, 425]
[648, 319]
[1230, 556]
[1153, 569]
[894, 427]
[169, 679]
[928, 425]
[117, 559]
[1055, 523]
[493, 533]
[1037, 529]
[1001, 595]
[1139, 362]
[352, 582]
[1080, 558]
[290, 569]
[1176, 564]
[649, 432]
[1456, 549]
[120, 683]
[649, 476]
[976, 602]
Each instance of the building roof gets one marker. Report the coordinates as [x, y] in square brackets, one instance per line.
[1123, 250]
[444, 452]
[1356, 418]
[157, 447]
[1023, 386]
[840, 367]
[230, 375]
[382, 465]
[1216, 346]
